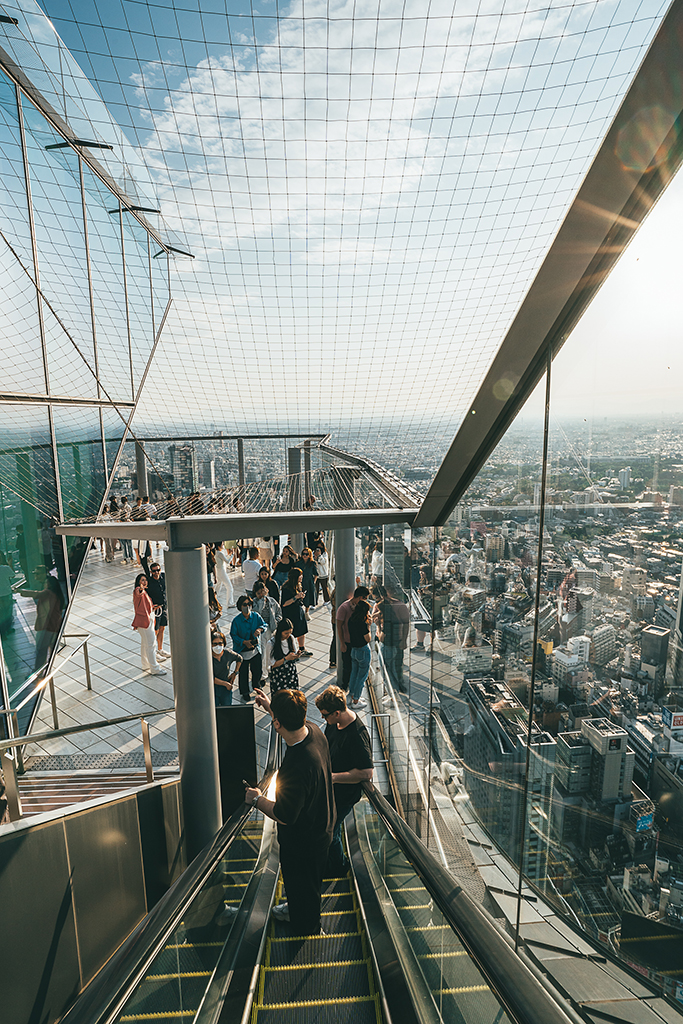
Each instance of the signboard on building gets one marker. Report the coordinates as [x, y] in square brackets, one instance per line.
[672, 718]
[644, 822]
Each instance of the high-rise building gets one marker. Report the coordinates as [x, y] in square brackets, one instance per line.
[604, 644]
[625, 478]
[612, 760]
[654, 646]
[184, 467]
[573, 762]
[207, 474]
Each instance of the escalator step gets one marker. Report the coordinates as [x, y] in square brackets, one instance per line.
[337, 901]
[451, 973]
[167, 996]
[159, 1018]
[366, 1011]
[185, 957]
[316, 949]
[303, 984]
[332, 923]
[331, 885]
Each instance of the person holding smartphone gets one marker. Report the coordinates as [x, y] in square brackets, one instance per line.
[283, 658]
[292, 599]
[245, 631]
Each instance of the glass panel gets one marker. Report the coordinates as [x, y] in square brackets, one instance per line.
[13, 205]
[22, 369]
[60, 242]
[177, 978]
[32, 572]
[109, 297]
[81, 461]
[137, 256]
[440, 971]
[114, 425]
[610, 667]
[160, 284]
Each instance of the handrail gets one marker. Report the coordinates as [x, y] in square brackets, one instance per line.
[39, 737]
[525, 998]
[104, 997]
[43, 681]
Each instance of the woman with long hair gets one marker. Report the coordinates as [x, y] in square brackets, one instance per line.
[283, 564]
[292, 599]
[283, 658]
[144, 623]
[310, 572]
[359, 631]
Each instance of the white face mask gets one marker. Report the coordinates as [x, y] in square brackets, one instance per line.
[217, 648]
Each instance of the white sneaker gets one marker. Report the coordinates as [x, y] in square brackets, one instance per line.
[360, 703]
[156, 672]
[163, 655]
[281, 912]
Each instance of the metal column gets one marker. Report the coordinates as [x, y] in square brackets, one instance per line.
[294, 493]
[240, 462]
[141, 469]
[307, 470]
[345, 578]
[188, 616]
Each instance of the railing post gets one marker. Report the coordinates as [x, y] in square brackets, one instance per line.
[11, 788]
[18, 750]
[146, 746]
[53, 701]
[86, 658]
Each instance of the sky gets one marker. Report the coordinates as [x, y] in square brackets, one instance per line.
[369, 188]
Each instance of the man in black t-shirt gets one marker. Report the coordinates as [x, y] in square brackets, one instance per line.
[303, 808]
[351, 757]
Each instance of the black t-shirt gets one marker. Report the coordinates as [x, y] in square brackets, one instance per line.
[304, 800]
[358, 630]
[349, 748]
[221, 666]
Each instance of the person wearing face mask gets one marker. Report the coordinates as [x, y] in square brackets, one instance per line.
[245, 631]
[226, 665]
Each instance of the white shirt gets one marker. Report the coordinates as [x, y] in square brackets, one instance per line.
[251, 569]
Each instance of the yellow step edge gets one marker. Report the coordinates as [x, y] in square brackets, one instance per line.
[177, 974]
[440, 956]
[416, 906]
[335, 913]
[311, 967]
[177, 1014]
[429, 928]
[299, 938]
[458, 991]
[305, 1003]
[193, 945]
[411, 888]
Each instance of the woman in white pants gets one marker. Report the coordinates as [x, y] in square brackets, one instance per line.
[223, 581]
[144, 622]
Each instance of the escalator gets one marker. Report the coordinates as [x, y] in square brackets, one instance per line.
[401, 943]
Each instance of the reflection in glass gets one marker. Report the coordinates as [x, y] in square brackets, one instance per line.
[60, 243]
[109, 297]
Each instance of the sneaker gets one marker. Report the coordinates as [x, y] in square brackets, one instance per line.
[307, 654]
[281, 912]
[360, 703]
[227, 915]
[419, 647]
[156, 672]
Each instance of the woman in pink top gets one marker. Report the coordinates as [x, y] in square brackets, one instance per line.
[144, 623]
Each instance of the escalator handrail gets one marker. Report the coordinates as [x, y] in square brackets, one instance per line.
[523, 995]
[104, 996]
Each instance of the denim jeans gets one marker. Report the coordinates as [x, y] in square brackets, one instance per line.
[127, 548]
[222, 696]
[393, 661]
[360, 666]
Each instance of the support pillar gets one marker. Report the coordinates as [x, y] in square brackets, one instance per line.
[345, 578]
[188, 617]
[307, 470]
[240, 462]
[294, 491]
[141, 469]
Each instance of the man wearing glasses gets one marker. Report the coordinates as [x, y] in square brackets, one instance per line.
[351, 757]
[156, 588]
